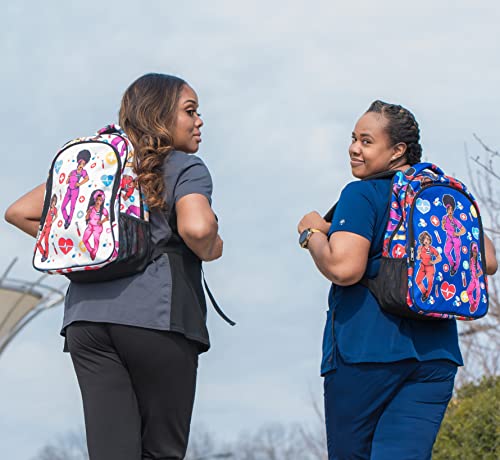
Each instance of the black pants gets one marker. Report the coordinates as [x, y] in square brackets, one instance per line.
[137, 387]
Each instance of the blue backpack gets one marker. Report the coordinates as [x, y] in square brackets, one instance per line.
[432, 264]
[433, 257]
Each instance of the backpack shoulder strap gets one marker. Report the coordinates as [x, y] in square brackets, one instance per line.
[215, 304]
[177, 244]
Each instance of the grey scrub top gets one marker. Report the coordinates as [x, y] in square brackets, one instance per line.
[151, 299]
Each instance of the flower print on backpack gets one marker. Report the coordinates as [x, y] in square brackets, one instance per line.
[474, 286]
[454, 230]
[76, 179]
[96, 215]
[429, 257]
[44, 234]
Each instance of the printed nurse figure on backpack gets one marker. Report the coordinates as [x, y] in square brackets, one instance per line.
[96, 215]
[429, 257]
[454, 230]
[128, 186]
[44, 235]
[476, 273]
[76, 179]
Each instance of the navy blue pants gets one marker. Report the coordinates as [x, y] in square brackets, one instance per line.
[386, 411]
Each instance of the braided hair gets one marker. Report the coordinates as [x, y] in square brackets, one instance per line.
[401, 127]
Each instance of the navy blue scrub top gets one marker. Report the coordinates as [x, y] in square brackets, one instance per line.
[362, 332]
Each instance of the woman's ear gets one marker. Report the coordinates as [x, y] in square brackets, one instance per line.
[398, 151]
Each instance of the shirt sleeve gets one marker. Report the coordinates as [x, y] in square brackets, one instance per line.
[355, 211]
[194, 177]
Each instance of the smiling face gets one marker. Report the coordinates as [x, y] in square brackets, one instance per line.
[186, 131]
[371, 151]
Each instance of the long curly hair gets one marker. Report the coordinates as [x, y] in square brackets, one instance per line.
[147, 115]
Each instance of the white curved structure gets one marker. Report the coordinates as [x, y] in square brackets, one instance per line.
[20, 302]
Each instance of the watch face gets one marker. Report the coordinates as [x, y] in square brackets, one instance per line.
[303, 237]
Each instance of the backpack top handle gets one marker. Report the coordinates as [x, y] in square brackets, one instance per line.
[412, 171]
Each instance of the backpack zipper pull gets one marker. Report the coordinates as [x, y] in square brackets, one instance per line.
[412, 254]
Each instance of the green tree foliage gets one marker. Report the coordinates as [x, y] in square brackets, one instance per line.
[471, 426]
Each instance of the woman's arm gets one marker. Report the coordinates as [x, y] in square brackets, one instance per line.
[437, 258]
[198, 226]
[343, 258]
[491, 256]
[26, 212]
[83, 181]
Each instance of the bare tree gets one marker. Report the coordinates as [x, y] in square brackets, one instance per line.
[480, 339]
[314, 435]
[203, 445]
[71, 446]
[276, 441]
[280, 442]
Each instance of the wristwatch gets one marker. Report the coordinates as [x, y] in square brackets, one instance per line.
[305, 236]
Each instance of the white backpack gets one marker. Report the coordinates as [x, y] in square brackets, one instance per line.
[95, 222]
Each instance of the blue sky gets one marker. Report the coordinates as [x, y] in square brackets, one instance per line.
[281, 85]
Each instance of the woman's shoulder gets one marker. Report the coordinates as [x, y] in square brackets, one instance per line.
[367, 186]
[183, 160]
[186, 173]
[180, 164]
[374, 191]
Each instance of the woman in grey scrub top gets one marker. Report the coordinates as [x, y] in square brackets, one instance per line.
[135, 341]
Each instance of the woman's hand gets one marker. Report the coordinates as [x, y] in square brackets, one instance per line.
[313, 220]
[491, 256]
[343, 258]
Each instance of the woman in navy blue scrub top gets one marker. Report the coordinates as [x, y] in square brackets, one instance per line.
[387, 379]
